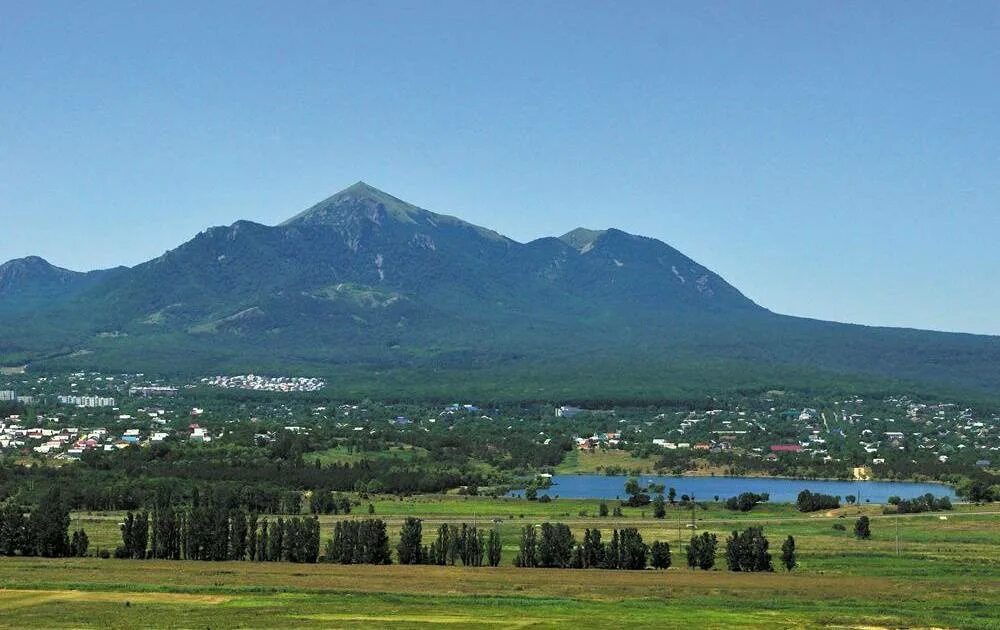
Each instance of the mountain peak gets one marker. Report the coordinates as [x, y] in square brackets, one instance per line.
[362, 204]
[582, 238]
[358, 201]
[24, 273]
[27, 262]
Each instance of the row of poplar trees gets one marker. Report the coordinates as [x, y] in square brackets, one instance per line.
[554, 546]
[200, 534]
[746, 551]
[471, 546]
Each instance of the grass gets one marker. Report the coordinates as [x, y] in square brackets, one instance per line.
[947, 574]
[341, 455]
[579, 462]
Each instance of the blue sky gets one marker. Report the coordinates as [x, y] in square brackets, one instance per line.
[833, 160]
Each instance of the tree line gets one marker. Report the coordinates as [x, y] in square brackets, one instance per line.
[552, 545]
[813, 501]
[916, 505]
[202, 532]
[471, 546]
[44, 531]
[746, 501]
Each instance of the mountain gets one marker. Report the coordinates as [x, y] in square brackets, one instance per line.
[33, 282]
[381, 294]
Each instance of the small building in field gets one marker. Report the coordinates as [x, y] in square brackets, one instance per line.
[786, 448]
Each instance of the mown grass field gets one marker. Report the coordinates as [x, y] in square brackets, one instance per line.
[341, 455]
[947, 575]
[599, 460]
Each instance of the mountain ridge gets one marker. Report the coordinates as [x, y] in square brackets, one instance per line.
[365, 279]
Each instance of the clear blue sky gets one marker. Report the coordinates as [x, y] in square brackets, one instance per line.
[838, 160]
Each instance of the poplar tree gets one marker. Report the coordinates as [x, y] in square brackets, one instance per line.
[788, 553]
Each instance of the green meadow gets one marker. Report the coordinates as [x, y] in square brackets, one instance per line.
[944, 572]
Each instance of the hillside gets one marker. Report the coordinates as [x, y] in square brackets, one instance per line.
[34, 283]
[379, 292]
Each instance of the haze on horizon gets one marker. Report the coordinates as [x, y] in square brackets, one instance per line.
[830, 161]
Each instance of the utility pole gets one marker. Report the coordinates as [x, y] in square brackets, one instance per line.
[678, 532]
[897, 533]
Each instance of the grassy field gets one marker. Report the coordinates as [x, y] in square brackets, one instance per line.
[947, 574]
[341, 455]
[599, 460]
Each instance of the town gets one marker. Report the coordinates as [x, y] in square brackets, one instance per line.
[63, 417]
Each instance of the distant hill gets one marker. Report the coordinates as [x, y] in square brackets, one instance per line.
[33, 283]
[383, 294]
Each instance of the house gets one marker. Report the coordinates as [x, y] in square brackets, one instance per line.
[786, 448]
[586, 444]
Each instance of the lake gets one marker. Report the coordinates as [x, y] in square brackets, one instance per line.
[706, 488]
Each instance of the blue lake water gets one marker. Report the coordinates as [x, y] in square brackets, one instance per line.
[706, 488]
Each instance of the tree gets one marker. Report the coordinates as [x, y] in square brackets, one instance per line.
[79, 543]
[632, 551]
[812, 501]
[979, 492]
[440, 548]
[593, 550]
[527, 553]
[555, 549]
[788, 553]
[494, 548]
[263, 546]
[672, 495]
[747, 551]
[660, 555]
[659, 507]
[358, 542]
[577, 561]
[637, 496]
[276, 541]
[13, 533]
[632, 486]
[862, 528]
[376, 542]
[237, 535]
[611, 555]
[252, 537]
[409, 548]
[745, 501]
[851, 499]
[48, 527]
[701, 551]
[469, 546]
[312, 540]
[602, 510]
